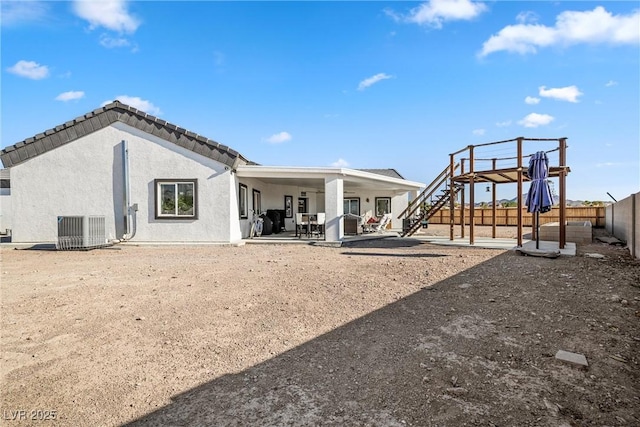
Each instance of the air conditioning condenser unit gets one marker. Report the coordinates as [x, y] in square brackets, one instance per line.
[81, 232]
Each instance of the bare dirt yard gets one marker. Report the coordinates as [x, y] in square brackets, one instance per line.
[389, 332]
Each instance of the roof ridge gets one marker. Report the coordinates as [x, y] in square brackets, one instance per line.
[106, 115]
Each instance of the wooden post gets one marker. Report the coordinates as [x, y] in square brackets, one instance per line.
[634, 225]
[462, 201]
[563, 195]
[493, 203]
[452, 205]
[472, 201]
[519, 191]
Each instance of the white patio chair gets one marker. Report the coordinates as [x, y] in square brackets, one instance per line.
[302, 222]
[364, 221]
[382, 225]
[318, 225]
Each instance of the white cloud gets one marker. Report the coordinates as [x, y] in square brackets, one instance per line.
[504, 124]
[478, 131]
[279, 138]
[340, 163]
[16, 13]
[113, 42]
[373, 80]
[571, 27]
[611, 83]
[568, 93]
[609, 165]
[110, 14]
[70, 96]
[434, 13]
[531, 100]
[524, 17]
[30, 70]
[534, 120]
[137, 103]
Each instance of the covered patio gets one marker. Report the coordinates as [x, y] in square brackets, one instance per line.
[328, 190]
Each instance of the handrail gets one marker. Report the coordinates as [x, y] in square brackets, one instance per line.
[440, 202]
[422, 196]
[503, 142]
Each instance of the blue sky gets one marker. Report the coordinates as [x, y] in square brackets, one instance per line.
[354, 84]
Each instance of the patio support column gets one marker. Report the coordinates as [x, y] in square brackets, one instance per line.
[520, 191]
[563, 197]
[472, 196]
[462, 200]
[452, 204]
[334, 207]
[493, 203]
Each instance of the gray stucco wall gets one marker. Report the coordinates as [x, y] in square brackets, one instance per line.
[5, 209]
[86, 177]
[622, 219]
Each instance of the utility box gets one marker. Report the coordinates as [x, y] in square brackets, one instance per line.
[81, 232]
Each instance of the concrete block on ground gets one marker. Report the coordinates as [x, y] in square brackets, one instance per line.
[575, 359]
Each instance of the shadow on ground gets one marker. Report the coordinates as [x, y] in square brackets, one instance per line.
[393, 255]
[384, 242]
[474, 349]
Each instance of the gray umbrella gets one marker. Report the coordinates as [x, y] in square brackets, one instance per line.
[539, 198]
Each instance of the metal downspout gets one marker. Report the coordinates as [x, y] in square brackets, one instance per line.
[130, 210]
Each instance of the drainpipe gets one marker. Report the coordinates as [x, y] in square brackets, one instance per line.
[131, 210]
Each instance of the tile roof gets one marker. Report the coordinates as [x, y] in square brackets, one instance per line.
[5, 178]
[386, 172]
[107, 115]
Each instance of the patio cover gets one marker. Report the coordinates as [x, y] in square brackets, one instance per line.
[334, 182]
[314, 177]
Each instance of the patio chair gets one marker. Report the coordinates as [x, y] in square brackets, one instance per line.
[365, 221]
[302, 222]
[382, 225]
[317, 226]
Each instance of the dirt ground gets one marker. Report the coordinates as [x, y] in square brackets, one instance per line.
[389, 332]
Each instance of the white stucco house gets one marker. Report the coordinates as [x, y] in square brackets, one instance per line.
[156, 182]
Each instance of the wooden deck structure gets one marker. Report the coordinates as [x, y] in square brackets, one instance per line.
[470, 174]
[505, 162]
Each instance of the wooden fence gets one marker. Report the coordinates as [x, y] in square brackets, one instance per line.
[509, 216]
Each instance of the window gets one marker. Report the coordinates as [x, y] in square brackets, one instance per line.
[383, 205]
[176, 199]
[352, 206]
[243, 201]
[257, 202]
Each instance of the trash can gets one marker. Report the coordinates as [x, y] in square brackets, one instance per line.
[267, 225]
[406, 225]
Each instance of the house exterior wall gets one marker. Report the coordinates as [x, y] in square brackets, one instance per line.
[5, 209]
[86, 177]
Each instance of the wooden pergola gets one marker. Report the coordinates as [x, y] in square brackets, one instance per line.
[470, 174]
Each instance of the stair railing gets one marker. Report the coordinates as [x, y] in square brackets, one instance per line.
[424, 196]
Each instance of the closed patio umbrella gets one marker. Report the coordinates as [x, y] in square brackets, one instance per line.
[539, 199]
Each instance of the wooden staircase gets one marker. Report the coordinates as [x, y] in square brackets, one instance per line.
[434, 197]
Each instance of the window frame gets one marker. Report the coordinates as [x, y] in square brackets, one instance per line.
[378, 199]
[243, 199]
[158, 183]
[257, 196]
[351, 199]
